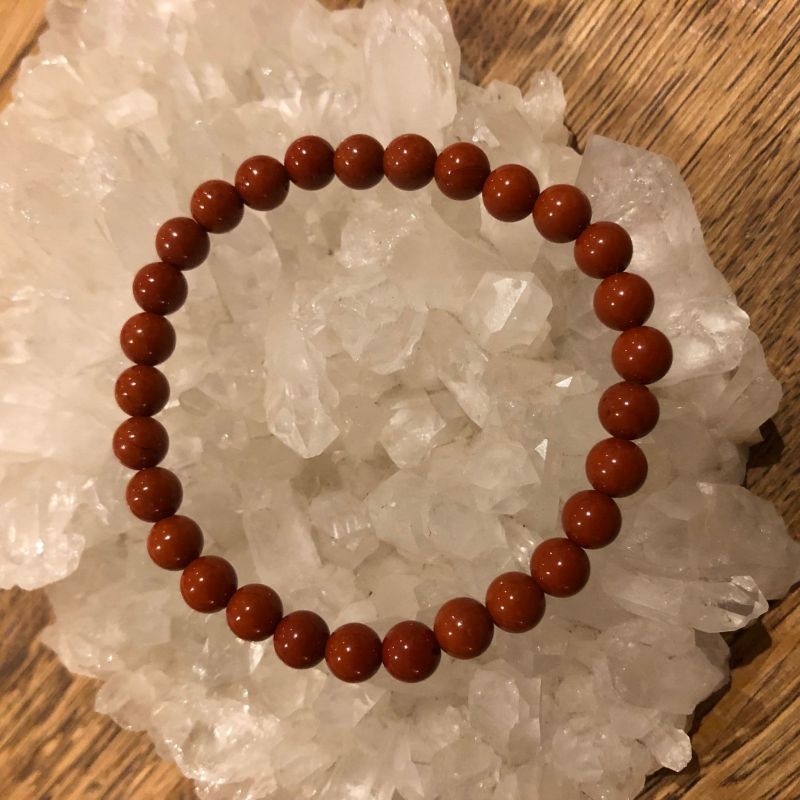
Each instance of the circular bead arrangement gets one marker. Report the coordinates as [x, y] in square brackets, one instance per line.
[514, 601]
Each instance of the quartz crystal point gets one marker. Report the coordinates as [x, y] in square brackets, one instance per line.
[379, 400]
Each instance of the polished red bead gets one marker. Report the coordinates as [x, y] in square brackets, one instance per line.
[147, 339]
[254, 612]
[616, 467]
[623, 301]
[591, 519]
[461, 170]
[409, 162]
[140, 442]
[603, 249]
[358, 161]
[463, 627]
[628, 410]
[300, 639]
[174, 542]
[560, 567]
[217, 206]
[182, 242]
[561, 213]
[510, 192]
[262, 182]
[309, 162]
[411, 652]
[642, 355]
[153, 494]
[515, 602]
[208, 583]
[141, 391]
[354, 652]
[160, 288]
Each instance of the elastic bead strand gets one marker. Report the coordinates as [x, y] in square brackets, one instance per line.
[515, 602]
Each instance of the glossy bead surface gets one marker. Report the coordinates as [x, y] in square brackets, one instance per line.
[642, 355]
[217, 206]
[254, 611]
[153, 494]
[262, 182]
[411, 652]
[174, 542]
[591, 519]
[560, 567]
[141, 391]
[180, 241]
[354, 652]
[309, 162]
[628, 410]
[463, 627]
[140, 442]
[603, 249]
[616, 467]
[208, 583]
[515, 602]
[147, 339]
[561, 213]
[358, 161]
[300, 639]
[510, 192]
[461, 170]
[160, 288]
[623, 301]
[409, 162]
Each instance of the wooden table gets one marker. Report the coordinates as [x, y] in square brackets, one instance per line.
[715, 85]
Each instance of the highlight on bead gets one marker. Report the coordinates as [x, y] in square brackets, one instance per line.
[515, 601]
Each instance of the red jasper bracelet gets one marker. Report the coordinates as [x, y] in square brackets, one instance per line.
[615, 467]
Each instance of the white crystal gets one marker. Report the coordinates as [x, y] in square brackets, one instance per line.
[408, 435]
[379, 400]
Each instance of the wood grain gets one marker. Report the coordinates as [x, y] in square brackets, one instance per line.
[715, 85]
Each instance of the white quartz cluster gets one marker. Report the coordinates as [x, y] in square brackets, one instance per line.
[380, 401]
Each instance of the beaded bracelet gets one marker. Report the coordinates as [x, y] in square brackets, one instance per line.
[514, 601]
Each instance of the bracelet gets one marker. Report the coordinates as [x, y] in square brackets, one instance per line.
[514, 601]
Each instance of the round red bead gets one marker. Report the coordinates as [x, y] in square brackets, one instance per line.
[623, 301]
[560, 567]
[180, 241]
[409, 162]
[160, 288]
[515, 602]
[141, 391]
[411, 652]
[140, 442]
[358, 161]
[300, 639]
[461, 170]
[561, 213]
[616, 467]
[217, 206]
[147, 339]
[208, 583]
[642, 355]
[603, 249]
[173, 543]
[591, 519]
[254, 612]
[309, 162]
[153, 494]
[262, 182]
[354, 652]
[628, 410]
[510, 192]
[463, 627]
